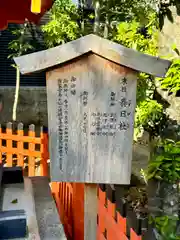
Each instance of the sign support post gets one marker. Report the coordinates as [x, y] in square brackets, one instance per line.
[90, 211]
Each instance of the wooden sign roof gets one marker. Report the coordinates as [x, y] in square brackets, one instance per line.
[91, 43]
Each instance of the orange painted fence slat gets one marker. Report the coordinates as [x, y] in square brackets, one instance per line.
[31, 162]
[0, 145]
[70, 204]
[111, 225]
[9, 145]
[107, 225]
[20, 161]
[20, 137]
[69, 197]
[13, 150]
[44, 153]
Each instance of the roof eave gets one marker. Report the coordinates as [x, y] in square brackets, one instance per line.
[91, 43]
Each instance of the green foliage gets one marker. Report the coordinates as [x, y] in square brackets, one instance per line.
[165, 162]
[145, 88]
[166, 227]
[149, 117]
[68, 22]
[171, 82]
[120, 10]
[21, 44]
[129, 34]
[63, 26]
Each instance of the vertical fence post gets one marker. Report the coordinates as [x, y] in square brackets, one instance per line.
[0, 144]
[78, 211]
[44, 152]
[134, 236]
[90, 211]
[31, 162]
[9, 144]
[20, 147]
[55, 192]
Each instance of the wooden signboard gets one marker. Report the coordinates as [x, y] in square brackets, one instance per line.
[91, 94]
[91, 104]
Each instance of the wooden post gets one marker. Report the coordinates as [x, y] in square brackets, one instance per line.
[20, 145]
[9, 144]
[31, 163]
[78, 211]
[44, 153]
[90, 211]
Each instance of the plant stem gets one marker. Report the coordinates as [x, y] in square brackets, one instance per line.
[16, 93]
[97, 17]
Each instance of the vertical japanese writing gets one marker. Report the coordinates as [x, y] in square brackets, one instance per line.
[60, 125]
[65, 87]
[84, 98]
[73, 86]
[123, 87]
[112, 98]
[85, 123]
[124, 105]
[84, 101]
[62, 105]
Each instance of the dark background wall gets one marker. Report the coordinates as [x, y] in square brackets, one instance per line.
[32, 103]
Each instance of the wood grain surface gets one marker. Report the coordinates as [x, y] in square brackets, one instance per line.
[91, 103]
[91, 43]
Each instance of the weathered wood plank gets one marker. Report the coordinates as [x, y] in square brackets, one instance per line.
[91, 129]
[48, 58]
[91, 43]
[90, 211]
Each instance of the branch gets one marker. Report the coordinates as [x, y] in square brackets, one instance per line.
[16, 93]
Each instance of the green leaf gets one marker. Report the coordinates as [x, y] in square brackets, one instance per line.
[14, 201]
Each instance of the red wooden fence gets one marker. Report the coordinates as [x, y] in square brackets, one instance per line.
[26, 151]
[114, 216]
[69, 199]
[29, 150]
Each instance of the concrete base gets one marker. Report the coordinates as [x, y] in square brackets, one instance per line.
[36, 199]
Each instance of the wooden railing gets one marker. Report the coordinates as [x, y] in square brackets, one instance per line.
[116, 219]
[63, 195]
[20, 146]
[27, 151]
[69, 199]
